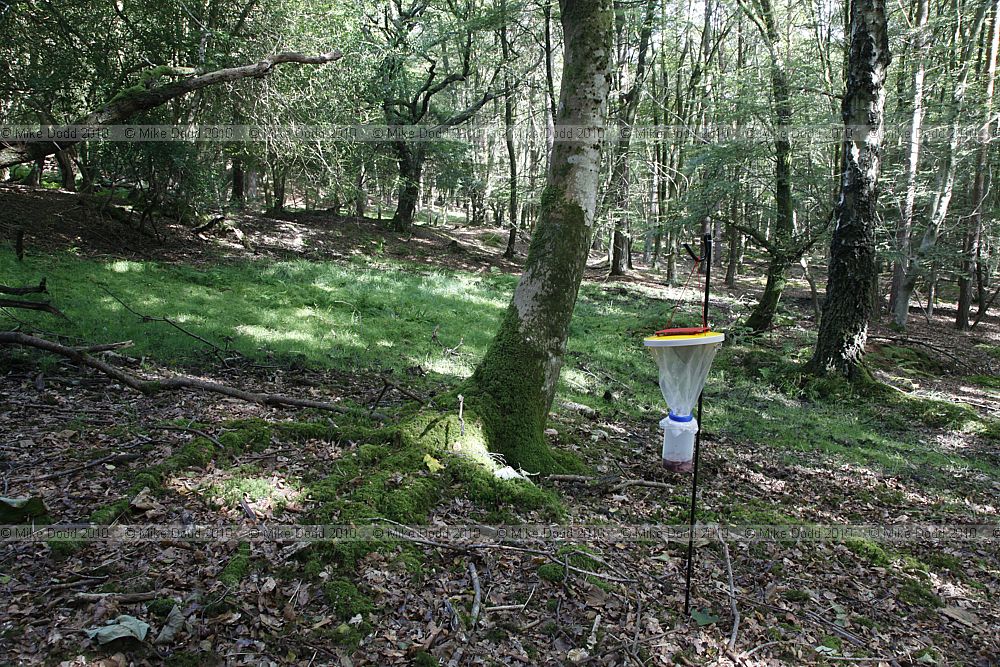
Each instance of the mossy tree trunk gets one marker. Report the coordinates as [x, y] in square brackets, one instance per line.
[514, 385]
[411, 164]
[852, 284]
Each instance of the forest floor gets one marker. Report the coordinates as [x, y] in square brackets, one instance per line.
[344, 311]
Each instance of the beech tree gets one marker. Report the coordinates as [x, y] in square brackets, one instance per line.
[513, 387]
[852, 284]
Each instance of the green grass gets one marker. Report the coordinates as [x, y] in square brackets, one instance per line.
[369, 315]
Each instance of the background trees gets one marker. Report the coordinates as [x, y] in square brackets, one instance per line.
[746, 93]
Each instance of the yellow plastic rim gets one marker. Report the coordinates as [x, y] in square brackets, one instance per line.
[688, 339]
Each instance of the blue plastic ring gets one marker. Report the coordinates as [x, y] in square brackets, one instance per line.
[679, 418]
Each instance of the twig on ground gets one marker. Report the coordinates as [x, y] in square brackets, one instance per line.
[472, 548]
[125, 598]
[851, 637]
[592, 638]
[187, 429]
[219, 352]
[513, 607]
[930, 346]
[477, 597]
[732, 591]
[461, 418]
[175, 383]
[110, 458]
[612, 483]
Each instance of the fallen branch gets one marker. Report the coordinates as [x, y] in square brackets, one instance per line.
[175, 383]
[836, 629]
[187, 429]
[930, 346]
[110, 458]
[40, 288]
[219, 352]
[32, 305]
[732, 591]
[513, 607]
[124, 598]
[611, 483]
[477, 597]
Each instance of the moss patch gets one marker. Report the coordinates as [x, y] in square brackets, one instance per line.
[237, 567]
[346, 600]
[919, 594]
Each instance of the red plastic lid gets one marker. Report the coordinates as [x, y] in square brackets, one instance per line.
[682, 331]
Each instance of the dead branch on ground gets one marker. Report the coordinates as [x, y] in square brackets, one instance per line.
[174, 383]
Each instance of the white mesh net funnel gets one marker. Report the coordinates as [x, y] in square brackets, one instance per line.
[683, 362]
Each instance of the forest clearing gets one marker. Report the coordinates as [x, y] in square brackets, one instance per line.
[466, 332]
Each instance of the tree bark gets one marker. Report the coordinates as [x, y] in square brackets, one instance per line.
[852, 282]
[508, 121]
[779, 249]
[411, 163]
[973, 235]
[238, 197]
[620, 243]
[513, 387]
[947, 175]
[67, 175]
[905, 224]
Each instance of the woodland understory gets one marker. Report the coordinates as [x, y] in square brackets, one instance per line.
[777, 450]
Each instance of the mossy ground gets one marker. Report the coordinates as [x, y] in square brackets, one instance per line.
[756, 399]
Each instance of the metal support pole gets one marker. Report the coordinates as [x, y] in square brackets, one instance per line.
[706, 256]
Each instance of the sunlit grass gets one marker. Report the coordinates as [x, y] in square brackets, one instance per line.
[369, 315]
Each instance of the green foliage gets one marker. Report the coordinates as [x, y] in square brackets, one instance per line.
[552, 572]
[870, 551]
[794, 595]
[237, 567]
[160, 607]
[918, 593]
[346, 600]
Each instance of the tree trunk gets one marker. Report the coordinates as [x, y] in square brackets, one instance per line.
[238, 197]
[34, 176]
[411, 164]
[513, 387]
[779, 249]
[621, 260]
[508, 121]
[852, 282]
[762, 317]
[973, 234]
[67, 174]
[735, 257]
[946, 176]
[905, 224]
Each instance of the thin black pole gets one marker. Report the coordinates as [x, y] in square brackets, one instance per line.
[706, 256]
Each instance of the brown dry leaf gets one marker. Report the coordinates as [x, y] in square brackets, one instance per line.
[963, 616]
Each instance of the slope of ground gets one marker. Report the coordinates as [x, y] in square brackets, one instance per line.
[337, 319]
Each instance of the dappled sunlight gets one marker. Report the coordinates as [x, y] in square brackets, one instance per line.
[445, 365]
[235, 490]
[126, 266]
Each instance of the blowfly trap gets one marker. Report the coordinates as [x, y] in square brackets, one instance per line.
[684, 360]
[684, 357]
